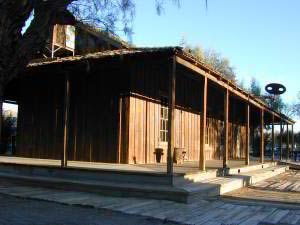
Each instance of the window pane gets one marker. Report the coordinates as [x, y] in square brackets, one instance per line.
[163, 123]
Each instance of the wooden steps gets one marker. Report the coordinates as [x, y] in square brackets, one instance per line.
[194, 177]
[186, 187]
[245, 169]
[215, 186]
[165, 192]
[291, 164]
[89, 174]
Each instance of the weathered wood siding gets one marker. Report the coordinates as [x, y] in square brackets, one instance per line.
[144, 122]
[115, 113]
[144, 132]
[187, 133]
[88, 43]
[40, 117]
[148, 84]
[94, 115]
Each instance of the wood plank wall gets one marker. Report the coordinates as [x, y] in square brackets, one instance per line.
[95, 121]
[144, 132]
[40, 116]
[144, 122]
[94, 116]
[148, 81]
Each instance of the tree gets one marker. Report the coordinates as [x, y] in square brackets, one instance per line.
[276, 103]
[255, 88]
[17, 47]
[295, 107]
[213, 59]
[9, 129]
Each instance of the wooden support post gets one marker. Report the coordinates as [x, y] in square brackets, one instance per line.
[64, 159]
[273, 140]
[2, 148]
[262, 144]
[203, 126]
[293, 142]
[120, 130]
[247, 158]
[226, 115]
[280, 144]
[287, 142]
[172, 85]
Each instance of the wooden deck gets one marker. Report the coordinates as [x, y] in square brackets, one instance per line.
[186, 167]
[284, 188]
[214, 211]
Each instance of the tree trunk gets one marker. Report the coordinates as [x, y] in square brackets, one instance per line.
[18, 49]
[2, 150]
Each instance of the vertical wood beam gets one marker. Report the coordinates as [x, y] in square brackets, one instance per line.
[262, 144]
[247, 158]
[281, 131]
[2, 149]
[226, 116]
[120, 130]
[64, 160]
[172, 85]
[202, 165]
[273, 139]
[287, 142]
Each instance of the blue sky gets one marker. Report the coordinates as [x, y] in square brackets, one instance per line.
[261, 38]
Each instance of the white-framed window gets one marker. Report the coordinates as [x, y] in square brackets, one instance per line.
[164, 117]
[163, 129]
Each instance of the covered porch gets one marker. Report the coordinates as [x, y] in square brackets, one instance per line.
[209, 96]
[155, 168]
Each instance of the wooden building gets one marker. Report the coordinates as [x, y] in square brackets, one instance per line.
[79, 39]
[120, 106]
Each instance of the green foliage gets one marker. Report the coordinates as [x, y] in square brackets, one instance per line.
[255, 88]
[295, 107]
[276, 103]
[110, 15]
[241, 84]
[213, 59]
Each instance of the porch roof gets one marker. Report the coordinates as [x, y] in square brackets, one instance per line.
[182, 57]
